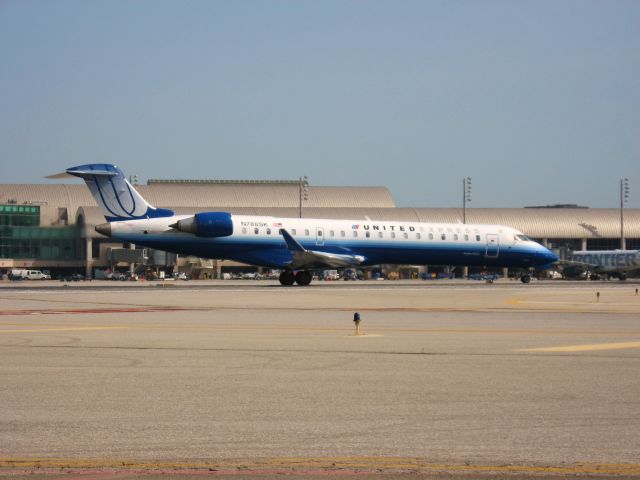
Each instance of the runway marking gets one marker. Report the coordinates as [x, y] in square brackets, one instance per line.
[77, 311]
[364, 335]
[584, 348]
[434, 309]
[21, 327]
[63, 329]
[323, 466]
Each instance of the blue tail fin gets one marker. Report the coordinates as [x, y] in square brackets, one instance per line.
[114, 194]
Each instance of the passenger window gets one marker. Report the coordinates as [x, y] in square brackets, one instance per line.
[443, 236]
[418, 236]
[379, 234]
[256, 231]
[477, 238]
[355, 233]
[367, 234]
[244, 229]
[293, 231]
[393, 234]
[306, 232]
[431, 236]
[405, 235]
[455, 236]
[332, 233]
[466, 238]
[342, 234]
[268, 231]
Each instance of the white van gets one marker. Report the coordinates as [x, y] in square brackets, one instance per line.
[29, 275]
[330, 275]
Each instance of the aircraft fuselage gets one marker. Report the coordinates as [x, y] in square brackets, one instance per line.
[257, 240]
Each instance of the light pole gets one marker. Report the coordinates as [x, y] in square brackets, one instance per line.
[466, 196]
[304, 192]
[624, 198]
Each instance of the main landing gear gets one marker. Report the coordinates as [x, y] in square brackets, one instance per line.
[302, 278]
[526, 278]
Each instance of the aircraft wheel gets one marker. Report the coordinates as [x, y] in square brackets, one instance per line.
[303, 278]
[525, 278]
[623, 277]
[287, 278]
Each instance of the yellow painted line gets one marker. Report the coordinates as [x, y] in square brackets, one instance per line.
[295, 328]
[364, 335]
[584, 348]
[333, 464]
[65, 329]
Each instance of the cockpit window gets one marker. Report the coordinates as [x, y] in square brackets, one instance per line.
[524, 238]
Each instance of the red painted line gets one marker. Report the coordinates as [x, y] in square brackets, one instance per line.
[96, 310]
[99, 474]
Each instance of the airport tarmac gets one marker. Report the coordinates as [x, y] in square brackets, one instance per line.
[458, 378]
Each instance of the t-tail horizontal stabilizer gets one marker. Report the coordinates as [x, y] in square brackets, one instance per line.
[114, 194]
[307, 259]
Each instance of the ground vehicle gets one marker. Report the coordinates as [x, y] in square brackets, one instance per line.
[28, 275]
[74, 277]
[180, 276]
[330, 275]
[352, 275]
[251, 276]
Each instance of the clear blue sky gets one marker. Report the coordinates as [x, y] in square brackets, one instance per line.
[538, 101]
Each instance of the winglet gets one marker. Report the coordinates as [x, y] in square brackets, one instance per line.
[292, 243]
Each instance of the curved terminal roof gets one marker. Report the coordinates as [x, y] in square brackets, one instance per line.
[205, 195]
[282, 199]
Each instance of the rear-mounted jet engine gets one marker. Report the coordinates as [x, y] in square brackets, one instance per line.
[207, 224]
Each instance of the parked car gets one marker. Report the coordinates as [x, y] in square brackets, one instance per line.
[352, 275]
[252, 276]
[74, 277]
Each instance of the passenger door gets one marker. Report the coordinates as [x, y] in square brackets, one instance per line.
[319, 236]
[493, 246]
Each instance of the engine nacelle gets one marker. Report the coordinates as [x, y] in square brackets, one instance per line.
[206, 224]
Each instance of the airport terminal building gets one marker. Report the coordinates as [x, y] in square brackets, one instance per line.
[51, 226]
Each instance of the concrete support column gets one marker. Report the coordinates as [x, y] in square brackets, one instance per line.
[545, 242]
[88, 245]
[505, 273]
[218, 267]
[465, 272]
[583, 244]
[132, 267]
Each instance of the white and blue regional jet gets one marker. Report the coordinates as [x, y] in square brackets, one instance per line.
[298, 246]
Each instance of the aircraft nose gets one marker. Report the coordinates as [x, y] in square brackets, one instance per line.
[546, 256]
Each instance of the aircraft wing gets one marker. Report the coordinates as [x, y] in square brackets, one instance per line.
[310, 259]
